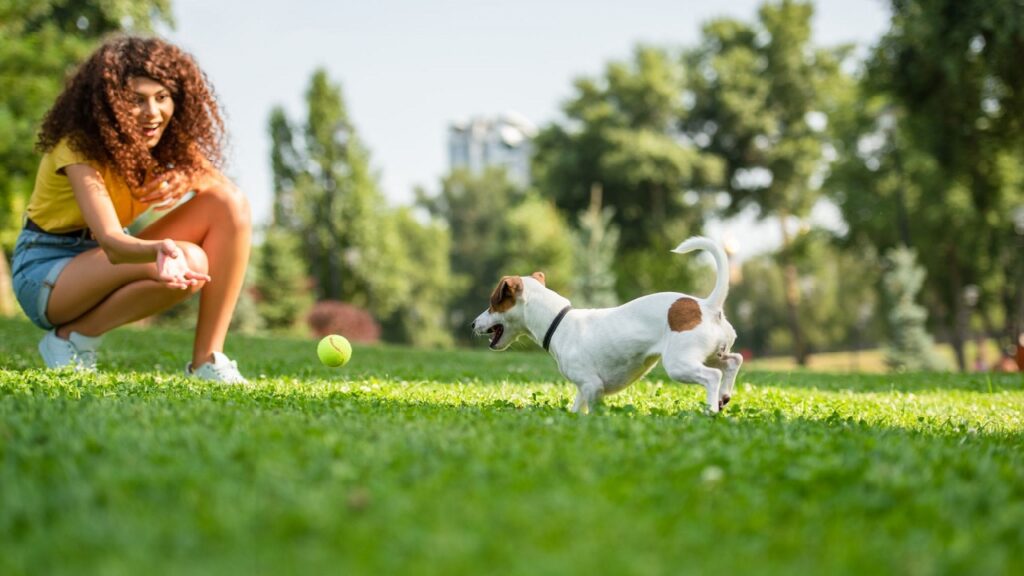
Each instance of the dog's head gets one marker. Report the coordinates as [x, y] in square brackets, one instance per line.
[504, 319]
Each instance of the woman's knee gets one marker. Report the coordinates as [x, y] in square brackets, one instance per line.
[233, 204]
[195, 256]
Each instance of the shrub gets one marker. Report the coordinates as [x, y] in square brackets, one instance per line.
[335, 317]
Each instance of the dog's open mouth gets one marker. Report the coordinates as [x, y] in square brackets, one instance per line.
[496, 331]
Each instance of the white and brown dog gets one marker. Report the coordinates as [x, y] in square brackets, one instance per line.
[604, 350]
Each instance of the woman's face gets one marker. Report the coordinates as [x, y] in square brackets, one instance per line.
[153, 108]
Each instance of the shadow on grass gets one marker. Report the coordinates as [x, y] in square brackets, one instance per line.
[522, 404]
[911, 382]
[162, 350]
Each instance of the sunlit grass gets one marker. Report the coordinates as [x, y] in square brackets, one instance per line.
[467, 462]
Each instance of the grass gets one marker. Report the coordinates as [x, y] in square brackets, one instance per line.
[467, 462]
[871, 360]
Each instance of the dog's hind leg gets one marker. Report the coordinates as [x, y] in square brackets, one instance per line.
[682, 370]
[731, 363]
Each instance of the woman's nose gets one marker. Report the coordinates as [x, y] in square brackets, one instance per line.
[152, 110]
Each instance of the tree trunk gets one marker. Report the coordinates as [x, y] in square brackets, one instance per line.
[960, 312]
[6, 290]
[791, 283]
[1015, 299]
[658, 210]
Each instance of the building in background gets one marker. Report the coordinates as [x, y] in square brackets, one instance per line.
[505, 141]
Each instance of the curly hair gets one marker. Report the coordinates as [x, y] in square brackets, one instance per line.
[95, 111]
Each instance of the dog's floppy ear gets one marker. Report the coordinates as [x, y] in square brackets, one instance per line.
[504, 296]
[539, 276]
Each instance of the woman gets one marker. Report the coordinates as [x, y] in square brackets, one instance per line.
[136, 126]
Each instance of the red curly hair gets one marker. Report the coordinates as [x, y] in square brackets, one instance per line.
[95, 111]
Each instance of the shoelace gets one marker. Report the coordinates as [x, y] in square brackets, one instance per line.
[78, 358]
[86, 357]
[227, 370]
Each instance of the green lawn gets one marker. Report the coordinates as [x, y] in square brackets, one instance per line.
[467, 462]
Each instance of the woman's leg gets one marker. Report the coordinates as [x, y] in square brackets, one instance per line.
[218, 220]
[92, 296]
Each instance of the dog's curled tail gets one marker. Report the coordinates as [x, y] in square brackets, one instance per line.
[721, 290]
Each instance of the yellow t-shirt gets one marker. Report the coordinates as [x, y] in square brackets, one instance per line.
[53, 206]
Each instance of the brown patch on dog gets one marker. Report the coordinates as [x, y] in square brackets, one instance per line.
[539, 277]
[683, 315]
[504, 296]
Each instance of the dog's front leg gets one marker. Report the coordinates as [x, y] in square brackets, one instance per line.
[578, 403]
[588, 395]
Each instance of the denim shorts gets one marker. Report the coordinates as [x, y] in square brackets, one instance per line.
[39, 258]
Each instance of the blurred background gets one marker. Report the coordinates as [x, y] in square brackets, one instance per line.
[861, 161]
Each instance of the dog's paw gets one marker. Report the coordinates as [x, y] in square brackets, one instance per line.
[723, 401]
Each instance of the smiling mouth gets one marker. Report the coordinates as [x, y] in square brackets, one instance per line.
[496, 332]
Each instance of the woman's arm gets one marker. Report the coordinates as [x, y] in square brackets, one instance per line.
[120, 248]
[98, 210]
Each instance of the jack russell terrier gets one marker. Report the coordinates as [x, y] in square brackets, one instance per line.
[606, 349]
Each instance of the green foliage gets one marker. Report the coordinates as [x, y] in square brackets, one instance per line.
[939, 136]
[840, 306]
[760, 94]
[655, 268]
[475, 209]
[281, 281]
[537, 238]
[621, 134]
[595, 242]
[911, 347]
[421, 320]
[754, 90]
[247, 318]
[496, 230]
[355, 247]
[412, 461]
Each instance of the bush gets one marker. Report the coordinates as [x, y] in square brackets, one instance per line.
[352, 322]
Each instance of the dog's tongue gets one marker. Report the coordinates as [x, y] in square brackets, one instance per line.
[497, 332]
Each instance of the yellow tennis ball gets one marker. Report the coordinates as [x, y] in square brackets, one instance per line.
[334, 351]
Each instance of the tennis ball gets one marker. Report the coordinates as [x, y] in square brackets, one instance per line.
[334, 351]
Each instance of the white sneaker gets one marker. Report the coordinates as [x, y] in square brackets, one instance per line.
[221, 369]
[78, 351]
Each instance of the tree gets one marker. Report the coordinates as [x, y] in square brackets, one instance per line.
[496, 229]
[326, 193]
[422, 320]
[937, 133]
[40, 42]
[839, 312]
[280, 280]
[910, 346]
[621, 133]
[356, 249]
[757, 98]
[537, 238]
[473, 207]
[595, 242]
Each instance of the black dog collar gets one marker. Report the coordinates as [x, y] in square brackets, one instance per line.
[554, 325]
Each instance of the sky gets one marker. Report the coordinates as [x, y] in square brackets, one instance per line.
[410, 68]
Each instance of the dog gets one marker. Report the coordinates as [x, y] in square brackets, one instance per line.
[606, 349]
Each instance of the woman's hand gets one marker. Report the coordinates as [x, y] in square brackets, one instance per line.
[165, 189]
[172, 268]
